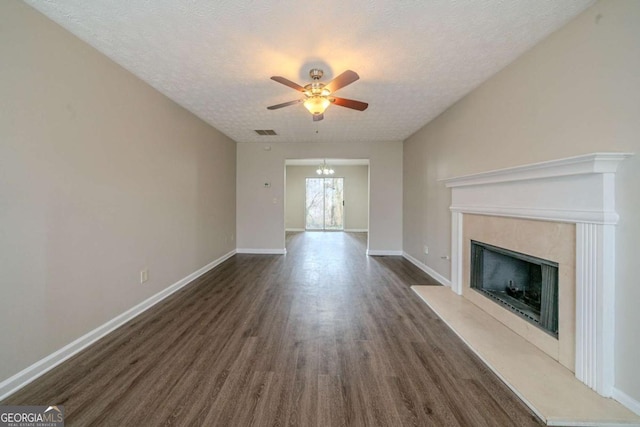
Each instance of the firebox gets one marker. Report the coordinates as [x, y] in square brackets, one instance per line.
[524, 284]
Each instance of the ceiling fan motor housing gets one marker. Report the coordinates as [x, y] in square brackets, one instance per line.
[315, 89]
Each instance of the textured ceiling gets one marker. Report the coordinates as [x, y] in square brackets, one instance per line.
[215, 57]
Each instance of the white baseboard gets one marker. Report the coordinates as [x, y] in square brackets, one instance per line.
[27, 375]
[262, 251]
[430, 271]
[374, 252]
[629, 402]
[294, 229]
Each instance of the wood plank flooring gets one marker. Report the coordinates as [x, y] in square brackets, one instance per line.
[322, 336]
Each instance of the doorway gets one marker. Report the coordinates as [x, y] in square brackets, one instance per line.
[324, 204]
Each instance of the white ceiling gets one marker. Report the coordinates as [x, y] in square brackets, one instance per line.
[215, 57]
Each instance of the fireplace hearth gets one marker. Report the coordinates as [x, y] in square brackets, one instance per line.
[523, 284]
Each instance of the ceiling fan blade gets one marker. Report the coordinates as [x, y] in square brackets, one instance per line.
[349, 103]
[284, 104]
[318, 117]
[342, 80]
[288, 82]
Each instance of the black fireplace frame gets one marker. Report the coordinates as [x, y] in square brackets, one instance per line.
[547, 318]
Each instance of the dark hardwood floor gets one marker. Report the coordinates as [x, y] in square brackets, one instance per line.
[322, 336]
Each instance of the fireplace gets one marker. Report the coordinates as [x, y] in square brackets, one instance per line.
[575, 195]
[525, 284]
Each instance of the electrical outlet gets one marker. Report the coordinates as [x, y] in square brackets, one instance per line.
[144, 275]
[426, 249]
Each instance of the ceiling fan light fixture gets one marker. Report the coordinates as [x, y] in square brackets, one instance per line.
[316, 104]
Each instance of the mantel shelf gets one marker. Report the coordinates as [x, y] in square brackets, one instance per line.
[594, 163]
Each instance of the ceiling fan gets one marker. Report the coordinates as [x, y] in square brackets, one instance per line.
[318, 96]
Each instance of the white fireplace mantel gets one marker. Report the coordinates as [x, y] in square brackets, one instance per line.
[579, 190]
[594, 163]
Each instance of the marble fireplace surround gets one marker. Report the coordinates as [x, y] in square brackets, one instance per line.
[553, 241]
[577, 190]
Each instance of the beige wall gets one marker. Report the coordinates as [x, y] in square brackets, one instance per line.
[576, 92]
[100, 176]
[356, 195]
[261, 211]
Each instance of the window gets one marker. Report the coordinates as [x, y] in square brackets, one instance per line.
[324, 207]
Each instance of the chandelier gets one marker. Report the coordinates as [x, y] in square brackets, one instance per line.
[325, 169]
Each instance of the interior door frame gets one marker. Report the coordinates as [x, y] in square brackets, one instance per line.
[314, 161]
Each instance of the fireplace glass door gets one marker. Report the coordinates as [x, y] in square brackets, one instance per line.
[524, 284]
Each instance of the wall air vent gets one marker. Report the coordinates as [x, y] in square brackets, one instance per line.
[265, 132]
